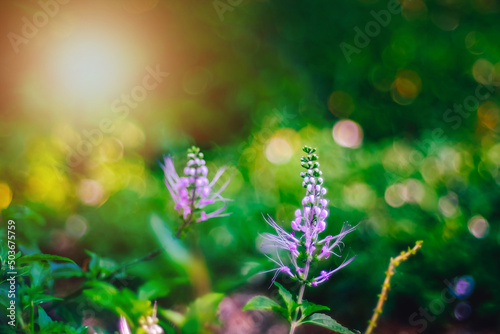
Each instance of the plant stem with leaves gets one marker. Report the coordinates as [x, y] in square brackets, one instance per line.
[295, 323]
[193, 192]
[304, 246]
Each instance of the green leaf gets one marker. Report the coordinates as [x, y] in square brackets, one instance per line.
[287, 298]
[153, 289]
[201, 312]
[123, 302]
[40, 299]
[40, 274]
[43, 318]
[42, 257]
[205, 307]
[308, 308]
[4, 293]
[23, 214]
[55, 327]
[174, 249]
[101, 293]
[261, 303]
[100, 267]
[66, 270]
[325, 321]
[175, 317]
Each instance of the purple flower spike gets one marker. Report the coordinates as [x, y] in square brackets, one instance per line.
[309, 222]
[193, 192]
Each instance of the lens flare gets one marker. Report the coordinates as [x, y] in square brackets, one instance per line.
[89, 66]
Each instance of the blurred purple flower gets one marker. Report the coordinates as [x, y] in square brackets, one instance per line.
[193, 191]
[307, 247]
[123, 326]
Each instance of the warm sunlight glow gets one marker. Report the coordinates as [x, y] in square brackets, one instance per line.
[89, 67]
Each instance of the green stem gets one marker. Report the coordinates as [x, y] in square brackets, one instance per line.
[32, 320]
[190, 217]
[296, 323]
[21, 321]
[184, 225]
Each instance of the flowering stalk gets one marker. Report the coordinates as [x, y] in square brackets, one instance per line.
[304, 245]
[372, 323]
[193, 191]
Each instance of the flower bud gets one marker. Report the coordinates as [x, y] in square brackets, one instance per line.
[321, 226]
[307, 211]
[317, 210]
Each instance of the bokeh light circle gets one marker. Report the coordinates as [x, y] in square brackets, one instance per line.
[483, 71]
[489, 114]
[478, 227]
[340, 104]
[90, 192]
[348, 134]
[462, 286]
[279, 151]
[475, 42]
[406, 87]
[394, 195]
[5, 196]
[76, 226]
[462, 311]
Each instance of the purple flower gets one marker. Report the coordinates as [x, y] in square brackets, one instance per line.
[281, 268]
[309, 222]
[123, 326]
[193, 191]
